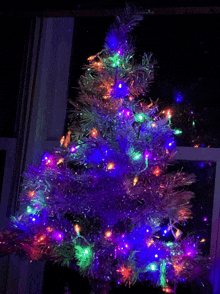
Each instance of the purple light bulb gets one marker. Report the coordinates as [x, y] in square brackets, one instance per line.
[73, 149]
[147, 154]
[58, 236]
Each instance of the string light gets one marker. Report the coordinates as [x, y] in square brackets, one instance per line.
[136, 155]
[157, 171]
[41, 238]
[108, 234]
[152, 267]
[62, 141]
[49, 229]
[135, 180]
[61, 160]
[77, 228]
[110, 166]
[178, 233]
[150, 242]
[168, 113]
[94, 133]
[31, 194]
[58, 236]
[73, 149]
[29, 209]
[167, 290]
[140, 117]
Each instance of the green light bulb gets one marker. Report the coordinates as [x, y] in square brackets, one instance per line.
[29, 210]
[140, 117]
[152, 267]
[177, 132]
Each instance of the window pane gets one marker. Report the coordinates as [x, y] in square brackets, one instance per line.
[13, 34]
[187, 78]
[200, 225]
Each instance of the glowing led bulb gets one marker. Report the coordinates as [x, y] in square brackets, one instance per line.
[153, 266]
[135, 180]
[110, 166]
[62, 140]
[157, 171]
[168, 113]
[49, 229]
[108, 234]
[60, 161]
[150, 242]
[94, 133]
[167, 290]
[77, 228]
[41, 238]
[73, 149]
[29, 210]
[31, 194]
[178, 233]
[177, 132]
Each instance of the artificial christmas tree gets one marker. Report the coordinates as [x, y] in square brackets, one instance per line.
[103, 201]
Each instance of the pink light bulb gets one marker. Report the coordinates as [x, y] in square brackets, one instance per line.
[73, 149]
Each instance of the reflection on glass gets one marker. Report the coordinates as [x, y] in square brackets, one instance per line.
[200, 225]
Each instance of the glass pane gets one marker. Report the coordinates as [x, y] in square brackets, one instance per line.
[200, 225]
[186, 48]
[13, 37]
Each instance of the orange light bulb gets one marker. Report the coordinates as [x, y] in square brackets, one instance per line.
[110, 166]
[108, 234]
[77, 228]
[31, 194]
[61, 160]
[94, 133]
[41, 238]
[49, 229]
[167, 290]
[150, 242]
[157, 171]
[135, 180]
[62, 140]
[168, 113]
